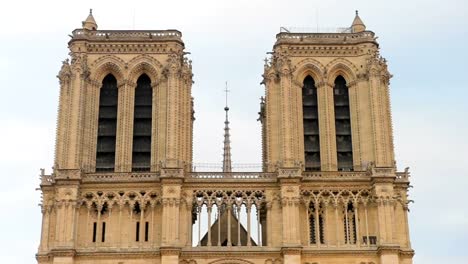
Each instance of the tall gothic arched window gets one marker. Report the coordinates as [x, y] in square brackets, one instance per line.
[311, 125]
[107, 124]
[344, 145]
[141, 153]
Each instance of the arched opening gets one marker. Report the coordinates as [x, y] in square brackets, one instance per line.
[107, 124]
[142, 115]
[349, 224]
[311, 125]
[228, 219]
[316, 224]
[344, 145]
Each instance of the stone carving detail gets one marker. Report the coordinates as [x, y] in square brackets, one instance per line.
[99, 199]
[335, 197]
[228, 197]
[79, 64]
[377, 66]
[174, 63]
[65, 73]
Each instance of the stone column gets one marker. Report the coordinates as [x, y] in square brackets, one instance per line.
[290, 179]
[355, 129]
[159, 114]
[286, 124]
[76, 108]
[91, 125]
[124, 139]
[66, 195]
[172, 157]
[65, 75]
[326, 112]
[171, 182]
[383, 189]
[383, 145]
[270, 219]
[44, 246]
[273, 133]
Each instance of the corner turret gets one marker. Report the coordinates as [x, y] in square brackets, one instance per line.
[90, 23]
[358, 25]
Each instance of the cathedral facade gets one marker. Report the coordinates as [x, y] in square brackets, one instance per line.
[123, 189]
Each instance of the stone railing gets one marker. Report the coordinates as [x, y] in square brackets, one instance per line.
[338, 175]
[287, 37]
[231, 175]
[121, 177]
[146, 35]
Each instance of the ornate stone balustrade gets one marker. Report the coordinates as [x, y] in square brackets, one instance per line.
[121, 177]
[134, 35]
[231, 175]
[153, 176]
[317, 175]
[291, 38]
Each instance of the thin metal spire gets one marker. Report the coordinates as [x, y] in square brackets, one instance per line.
[227, 142]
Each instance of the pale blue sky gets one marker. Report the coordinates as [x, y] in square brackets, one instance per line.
[424, 41]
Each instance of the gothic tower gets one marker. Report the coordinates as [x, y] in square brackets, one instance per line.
[122, 189]
[125, 112]
[326, 130]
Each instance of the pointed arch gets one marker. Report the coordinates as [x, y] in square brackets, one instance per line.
[341, 67]
[108, 64]
[144, 64]
[310, 67]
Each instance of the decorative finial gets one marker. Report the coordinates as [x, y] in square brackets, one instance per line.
[357, 12]
[90, 11]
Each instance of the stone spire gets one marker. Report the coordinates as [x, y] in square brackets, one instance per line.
[90, 23]
[358, 25]
[227, 142]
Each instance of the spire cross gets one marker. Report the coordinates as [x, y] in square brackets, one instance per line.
[226, 91]
[90, 11]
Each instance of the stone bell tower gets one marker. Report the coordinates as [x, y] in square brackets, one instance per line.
[327, 102]
[125, 112]
[120, 89]
[326, 118]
